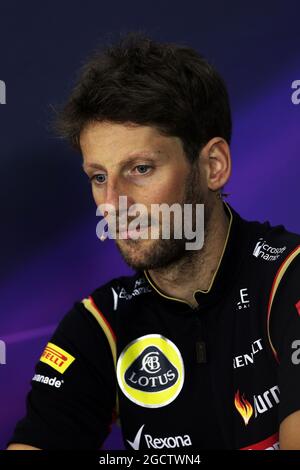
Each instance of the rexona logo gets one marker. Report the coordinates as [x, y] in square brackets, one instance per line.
[150, 371]
[151, 442]
[267, 252]
[56, 358]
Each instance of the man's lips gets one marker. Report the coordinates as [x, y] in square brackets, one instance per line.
[128, 233]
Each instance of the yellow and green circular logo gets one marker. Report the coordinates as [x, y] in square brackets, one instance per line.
[150, 371]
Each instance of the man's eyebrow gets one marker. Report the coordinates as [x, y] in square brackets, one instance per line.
[130, 159]
[96, 166]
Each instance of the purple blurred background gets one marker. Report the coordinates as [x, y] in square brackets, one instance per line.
[50, 256]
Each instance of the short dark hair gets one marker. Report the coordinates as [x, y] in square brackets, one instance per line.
[138, 80]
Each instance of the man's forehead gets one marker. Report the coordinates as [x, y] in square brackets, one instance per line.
[98, 162]
[110, 133]
[117, 143]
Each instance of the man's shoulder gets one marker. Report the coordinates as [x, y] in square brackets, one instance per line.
[108, 299]
[122, 286]
[274, 231]
[270, 242]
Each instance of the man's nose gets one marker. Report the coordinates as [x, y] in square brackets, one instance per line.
[114, 189]
[112, 194]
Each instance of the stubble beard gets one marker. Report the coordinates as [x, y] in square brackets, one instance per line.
[164, 253]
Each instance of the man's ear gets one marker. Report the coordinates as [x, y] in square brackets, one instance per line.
[216, 161]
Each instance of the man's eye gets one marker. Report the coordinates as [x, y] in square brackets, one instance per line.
[98, 179]
[143, 169]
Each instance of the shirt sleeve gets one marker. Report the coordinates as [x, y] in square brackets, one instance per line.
[285, 336]
[71, 403]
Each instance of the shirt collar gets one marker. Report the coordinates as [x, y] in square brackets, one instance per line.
[235, 247]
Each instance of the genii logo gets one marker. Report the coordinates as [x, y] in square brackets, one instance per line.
[150, 371]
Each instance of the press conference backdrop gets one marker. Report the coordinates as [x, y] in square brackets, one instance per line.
[50, 255]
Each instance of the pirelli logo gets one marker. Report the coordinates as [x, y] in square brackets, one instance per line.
[56, 358]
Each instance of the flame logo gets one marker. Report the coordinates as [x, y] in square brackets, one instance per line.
[243, 406]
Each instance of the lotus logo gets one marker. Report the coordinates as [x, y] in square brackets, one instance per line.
[150, 371]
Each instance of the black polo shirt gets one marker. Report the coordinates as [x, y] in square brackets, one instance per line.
[222, 375]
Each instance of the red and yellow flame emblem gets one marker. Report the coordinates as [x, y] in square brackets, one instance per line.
[243, 406]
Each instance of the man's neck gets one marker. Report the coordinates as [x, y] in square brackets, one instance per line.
[196, 271]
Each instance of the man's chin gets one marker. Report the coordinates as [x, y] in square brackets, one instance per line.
[136, 253]
[149, 254]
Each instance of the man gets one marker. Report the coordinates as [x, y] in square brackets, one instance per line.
[199, 348]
